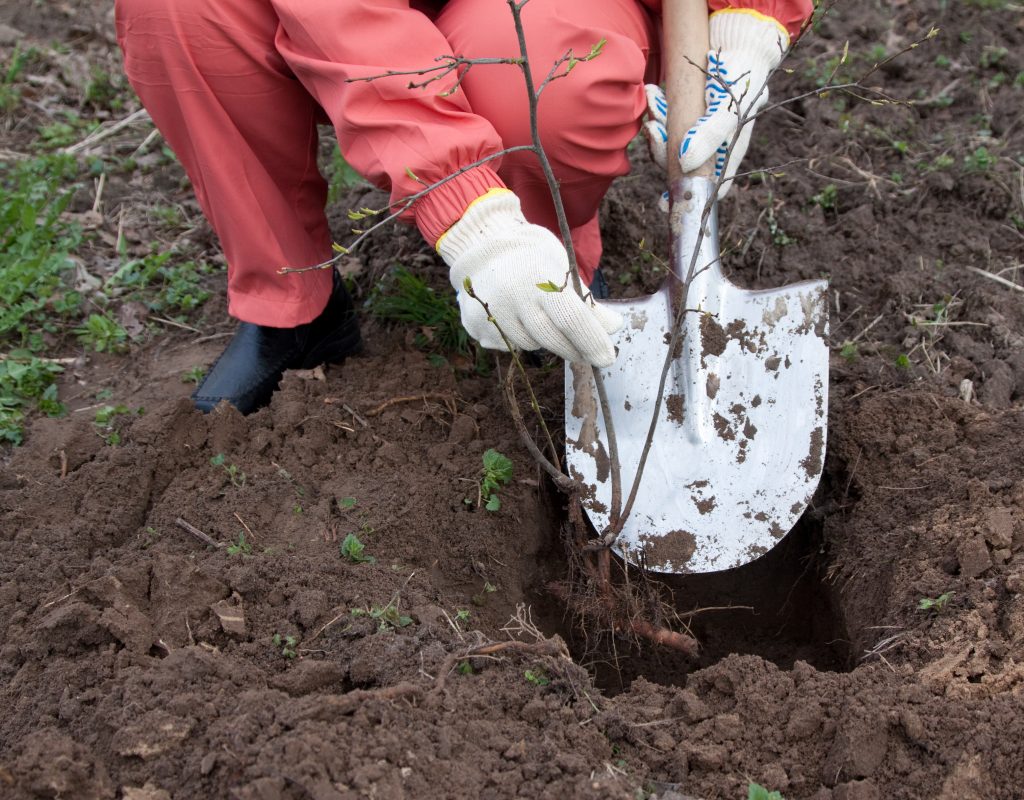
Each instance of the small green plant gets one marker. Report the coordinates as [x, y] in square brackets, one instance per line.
[903, 361]
[388, 617]
[981, 160]
[10, 96]
[346, 503]
[462, 615]
[354, 550]
[26, 382]
[235, 475]
[481, 599]
[241, 547]
[35, 246]
[756, 791]
[464, 668]
[103, 91]
[105, 421]
[779, 237]
[497, 472]
[164, 284]
[941, 162]
[936, 604]
[827, 198]
[150, 536]
[537, 677]
[194, 375]
[340, 177]
[102, 334]
[849, 351]
[405, 297]
[286, 644]
[992, 56]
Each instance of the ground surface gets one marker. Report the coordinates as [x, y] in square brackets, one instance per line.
[137, 662]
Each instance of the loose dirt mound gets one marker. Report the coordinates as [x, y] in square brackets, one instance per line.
[138, 662]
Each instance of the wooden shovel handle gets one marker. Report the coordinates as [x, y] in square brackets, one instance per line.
[686, 40]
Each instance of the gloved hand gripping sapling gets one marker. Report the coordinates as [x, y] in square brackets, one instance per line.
[507, 260]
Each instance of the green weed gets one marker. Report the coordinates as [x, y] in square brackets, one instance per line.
[241, 547]
[497, 472]
[340, 177]
[105, 422]
[286, 644]
[405, 297]
[104, 91]
[61, 133]
[10, 96]
[827, 198]
[194, 375]
[35, 243]
[388, 617]
[756, 791]
[235, 475]
[150, 537]
[849, 351]
[903, 361]
[537, 677]
[936, 604]
[354, 550]
[981, 160]
[26, 382]
[778, 235]
[480, 600]
[177, 284]
[992, 56]
[102, 334]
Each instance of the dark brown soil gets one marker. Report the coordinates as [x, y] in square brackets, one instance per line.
[137, 662]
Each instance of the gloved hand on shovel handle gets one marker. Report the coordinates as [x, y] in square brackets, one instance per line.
[745, 47]
[506, 260]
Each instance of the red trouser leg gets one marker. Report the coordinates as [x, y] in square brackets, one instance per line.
[245, 130]
[586, 119]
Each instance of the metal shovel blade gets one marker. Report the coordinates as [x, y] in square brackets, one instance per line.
[740, 440]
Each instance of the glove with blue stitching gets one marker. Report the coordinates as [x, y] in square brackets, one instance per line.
[745, 47]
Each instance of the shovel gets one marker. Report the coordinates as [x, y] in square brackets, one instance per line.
[739, 443]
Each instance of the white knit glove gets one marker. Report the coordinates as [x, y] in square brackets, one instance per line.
[745, 48]
[505, 258]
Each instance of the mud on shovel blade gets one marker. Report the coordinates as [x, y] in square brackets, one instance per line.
[740, 442]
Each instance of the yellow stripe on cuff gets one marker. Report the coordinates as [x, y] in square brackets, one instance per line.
[489, 193]
[757, 15]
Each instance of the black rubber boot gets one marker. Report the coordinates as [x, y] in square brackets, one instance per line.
[251, 366]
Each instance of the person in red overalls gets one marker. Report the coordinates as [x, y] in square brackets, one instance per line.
[238, 87]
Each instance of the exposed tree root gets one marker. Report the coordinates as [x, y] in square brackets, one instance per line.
[621, 607]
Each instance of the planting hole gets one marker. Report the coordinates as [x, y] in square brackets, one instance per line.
[781, 607]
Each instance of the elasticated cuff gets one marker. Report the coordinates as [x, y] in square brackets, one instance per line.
[755, 35]
[485, 224]
[444, 206]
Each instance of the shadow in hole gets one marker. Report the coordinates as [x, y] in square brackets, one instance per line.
[793, 614]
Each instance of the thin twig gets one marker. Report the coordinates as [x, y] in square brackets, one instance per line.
[100, 134]
[997, 278]
[204, 538]
[248, 530]
[412, 398]
[174, 324]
